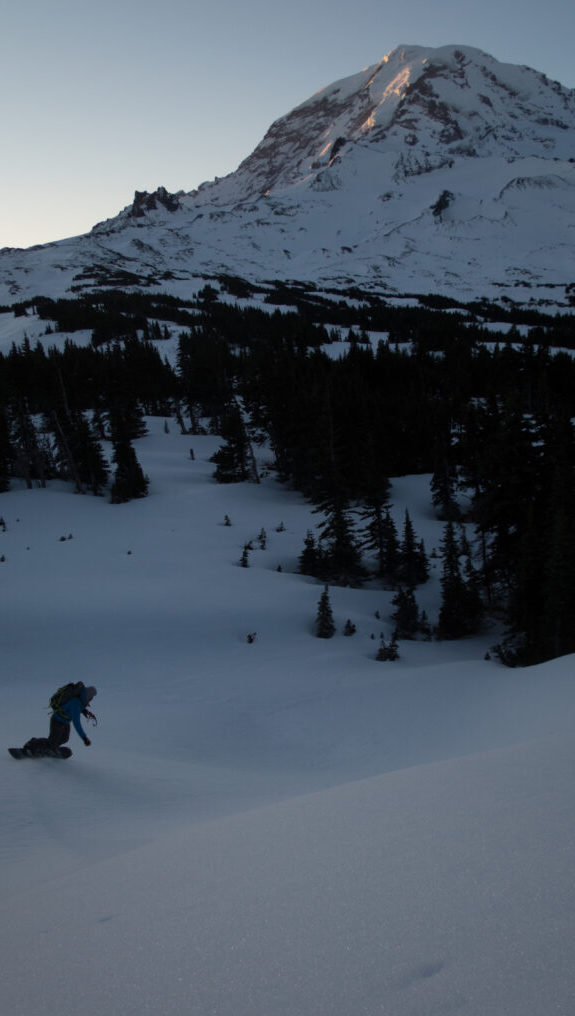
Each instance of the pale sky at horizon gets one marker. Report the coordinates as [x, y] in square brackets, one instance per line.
[100, 100]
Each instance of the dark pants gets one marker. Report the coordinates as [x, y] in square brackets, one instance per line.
[59, 734]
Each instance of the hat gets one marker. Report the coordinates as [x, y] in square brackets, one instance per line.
[90, 693]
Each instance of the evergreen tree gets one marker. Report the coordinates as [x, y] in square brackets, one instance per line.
[425, 627]
[460, 608]
[233, 459]
[391, 551]
[29, 461]
[341, 556]
[76, 452]
[524, 608]
[310, 559]
[63, 458]
[558, 588]
[205, 370]
[380, 536]
[393, 648]
[381, 654]
[125, 418]
[6, 453]
[537, 561]
[406, 615]
[129, 480]
[324, 624]
[99, 422]
[443, 492]
[507, 482]
[387, 651]
[413, 566]
[91, 463]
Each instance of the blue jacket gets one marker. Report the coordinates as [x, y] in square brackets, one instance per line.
[71, 712]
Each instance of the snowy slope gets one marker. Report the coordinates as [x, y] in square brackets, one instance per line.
[442, 889]
[283, 827]
[436, 170]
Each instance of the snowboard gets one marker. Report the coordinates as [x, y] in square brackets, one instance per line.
[46, 753]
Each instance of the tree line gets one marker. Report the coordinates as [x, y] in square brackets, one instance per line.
[489, 420]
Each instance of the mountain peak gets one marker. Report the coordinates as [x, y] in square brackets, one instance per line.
[438, 102]
[434, 170]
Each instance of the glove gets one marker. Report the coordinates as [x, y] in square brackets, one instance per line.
[87, 742]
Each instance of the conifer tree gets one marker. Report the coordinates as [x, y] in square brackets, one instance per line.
[391, 551]
[6, 453]
[125, 418]
[129, 480]
[64, 460]
[309, 561]
[473, 603]
[413, 566]
[539, 561]
[91, 465]
[232, 459]
[558, 589]
[443, 493]
[406, 615]
[393, 648]
[341, 556]
[524, 607]
[379, 535]
[29, 461]
[460, 608]
[324, 624]
[78, 454]
[388, 651]
[381, 654]
[507, 478]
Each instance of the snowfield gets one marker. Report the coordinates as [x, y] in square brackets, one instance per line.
[279, 828]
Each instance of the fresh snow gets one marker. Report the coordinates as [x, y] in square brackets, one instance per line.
[283, 828]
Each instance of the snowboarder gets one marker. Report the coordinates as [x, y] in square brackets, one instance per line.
[63, 716]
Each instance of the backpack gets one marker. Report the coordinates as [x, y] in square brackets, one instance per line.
[64, 694]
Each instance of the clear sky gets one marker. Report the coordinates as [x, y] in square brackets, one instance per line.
[99, 99]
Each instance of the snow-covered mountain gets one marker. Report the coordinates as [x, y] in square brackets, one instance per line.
[435, 170]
